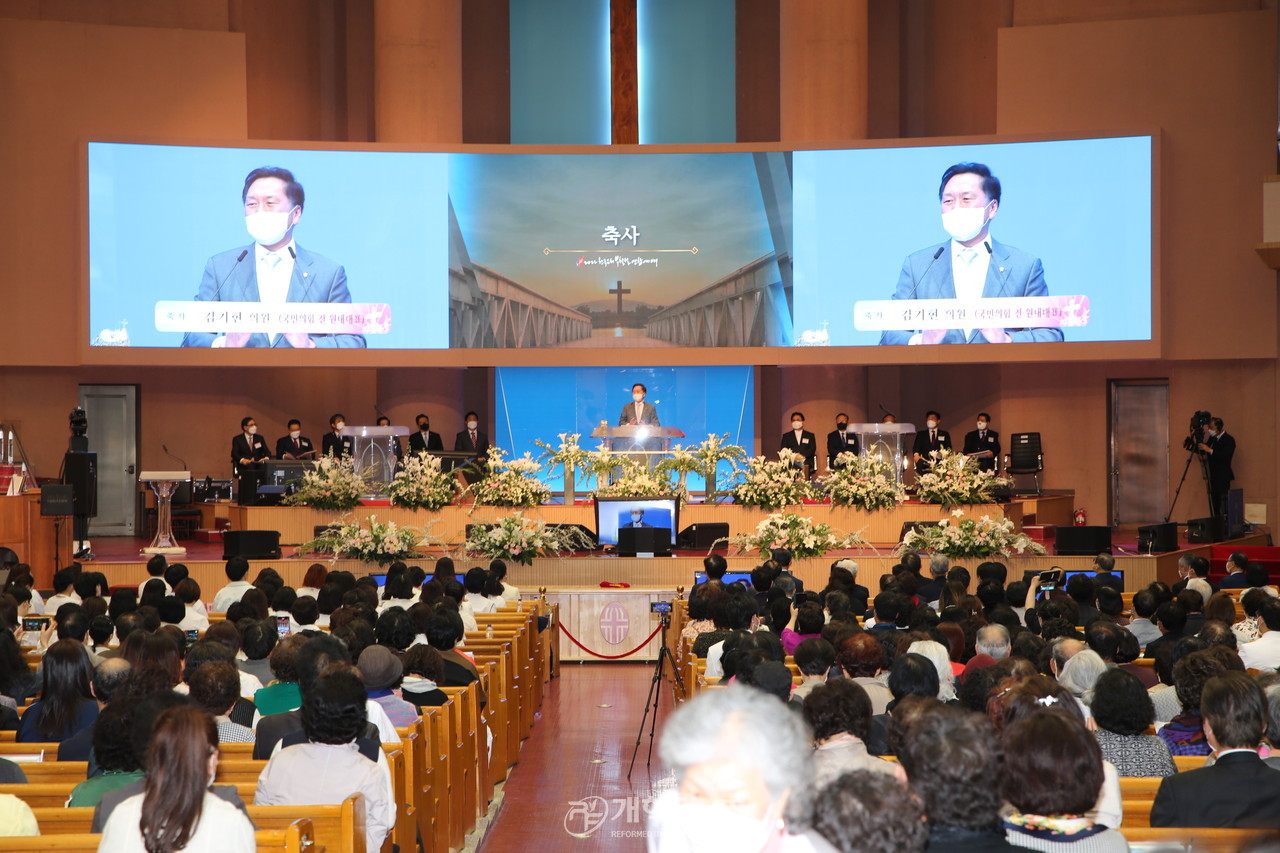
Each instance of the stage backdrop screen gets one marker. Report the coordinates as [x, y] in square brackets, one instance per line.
[532, 403]
[591, 252]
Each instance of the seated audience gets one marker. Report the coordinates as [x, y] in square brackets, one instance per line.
[66, 704]
[814, 658]
[258, 638]
[1264, 652]
[115, 756]
[1123, 713]
[381, 671]
[215, 688]
[1184, 734]
[283, 693]
[839, 713]
[868, 812]
[423, 675]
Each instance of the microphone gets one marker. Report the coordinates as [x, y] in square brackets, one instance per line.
[165, 447]
[932, 261]
[217, 291]
[886, 411]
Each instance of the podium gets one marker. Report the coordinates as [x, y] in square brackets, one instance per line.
[638, 438]
[373, 453]
[163, 484]
[885, 443]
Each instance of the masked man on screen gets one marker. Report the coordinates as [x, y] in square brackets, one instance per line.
[637, 518]
[971, 264]
[274, 269]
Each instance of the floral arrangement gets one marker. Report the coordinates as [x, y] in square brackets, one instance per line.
[970, 538]
[865, 482]
[601, 462]
[569, 455]
[374, 542]
[331, 484]
[954, 479]
[772, 484]
[711, 453]
[519, 539]
[510, 482]
[421, 484]
[633, 477]
[803, 536]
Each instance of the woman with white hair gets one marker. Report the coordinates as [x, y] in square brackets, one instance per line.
[743, 763]
[1079, 675]
[941, 660]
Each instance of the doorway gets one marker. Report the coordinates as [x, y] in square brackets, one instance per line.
[1139, 449]
[113, 435]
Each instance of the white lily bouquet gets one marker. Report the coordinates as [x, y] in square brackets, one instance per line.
[864, 482]
[711, 453]
[421, 484]
[635, 478]
[772, 484]
[519, 539]
[803, 536]
[369, 540]
[569, 455]
[955, 479]
[332, 484]
[510, 482]
[967, 538]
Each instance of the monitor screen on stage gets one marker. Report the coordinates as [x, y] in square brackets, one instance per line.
[742, 578]
[613, 514]
[590, 251]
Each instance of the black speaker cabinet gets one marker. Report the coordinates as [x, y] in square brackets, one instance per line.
[1158, 538]
[1211, 528]
[644, 540]
[703, 537]
[80, 471]
[251, 544]
[57, 499]
[1084, 541]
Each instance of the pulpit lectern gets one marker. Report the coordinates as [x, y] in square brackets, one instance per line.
[373, 452]
[885, 443]
[163, 484]
[639, 438]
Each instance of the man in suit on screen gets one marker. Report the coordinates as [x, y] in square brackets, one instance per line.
[273, 269]
[971, 264]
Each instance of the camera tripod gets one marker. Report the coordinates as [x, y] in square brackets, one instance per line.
[665, 655]
[1191, 443]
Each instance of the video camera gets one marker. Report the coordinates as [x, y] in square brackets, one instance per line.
[1195, 436]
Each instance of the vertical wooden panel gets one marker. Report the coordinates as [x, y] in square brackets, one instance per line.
[823, 71]
[486, 71]
[757, 71]
[624, 85]
[418, 71]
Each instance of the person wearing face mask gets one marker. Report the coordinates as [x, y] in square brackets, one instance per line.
[335, 443]
[840, 441]
[983, 443]
[638, 413]
[971, 265]
[424, 438]
[929, 439]
[799, 440]
[1218, 448]
[248, 450]
[472, 440]
[273, 269]
[384, 421]
[295, 445]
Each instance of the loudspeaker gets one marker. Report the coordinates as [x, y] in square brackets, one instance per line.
[702, 537]
[644, 540]
[909, 526]
[80, 470]
[1158, 537]
[1085, 541]
[251, 544]
[271, 495]
[1209, 529]
[57, 499]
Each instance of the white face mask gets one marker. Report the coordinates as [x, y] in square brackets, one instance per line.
[982, 425]
[964, 223]
[637, 397]
[1210, 433]
[295, 433]
[339, 425]
[472, 424]
[268, 227]
[253, 430]
[695, 827]
[931, 423]
[797, 425]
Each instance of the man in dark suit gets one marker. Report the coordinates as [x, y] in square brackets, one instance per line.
[638, 413]
[1171, 619]
[295, 445]
[637, 518]
[983, 442]
[801, 441]
[384, 421]
[840, 441]
[928, 440]
[335, 443]
[247, 448]
[472, 440]
[1239, 789]
[273, 269]
[424, 438]
[1218, 448]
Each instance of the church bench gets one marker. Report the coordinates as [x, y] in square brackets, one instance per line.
[56, 794]
[296, 838]
[1204, 840]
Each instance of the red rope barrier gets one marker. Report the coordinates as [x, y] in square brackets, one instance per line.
[574, 640]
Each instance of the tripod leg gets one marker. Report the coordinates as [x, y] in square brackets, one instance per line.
[657, 696]
[651, 700]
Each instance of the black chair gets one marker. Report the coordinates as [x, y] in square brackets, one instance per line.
[1025, 456]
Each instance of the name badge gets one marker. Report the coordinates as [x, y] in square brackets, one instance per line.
[991, 439]
[804, 441]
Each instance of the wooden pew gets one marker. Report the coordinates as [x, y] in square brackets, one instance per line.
[56, 794]
[296, 838]
[438, 778]
[464, 799]
[1204, 840]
